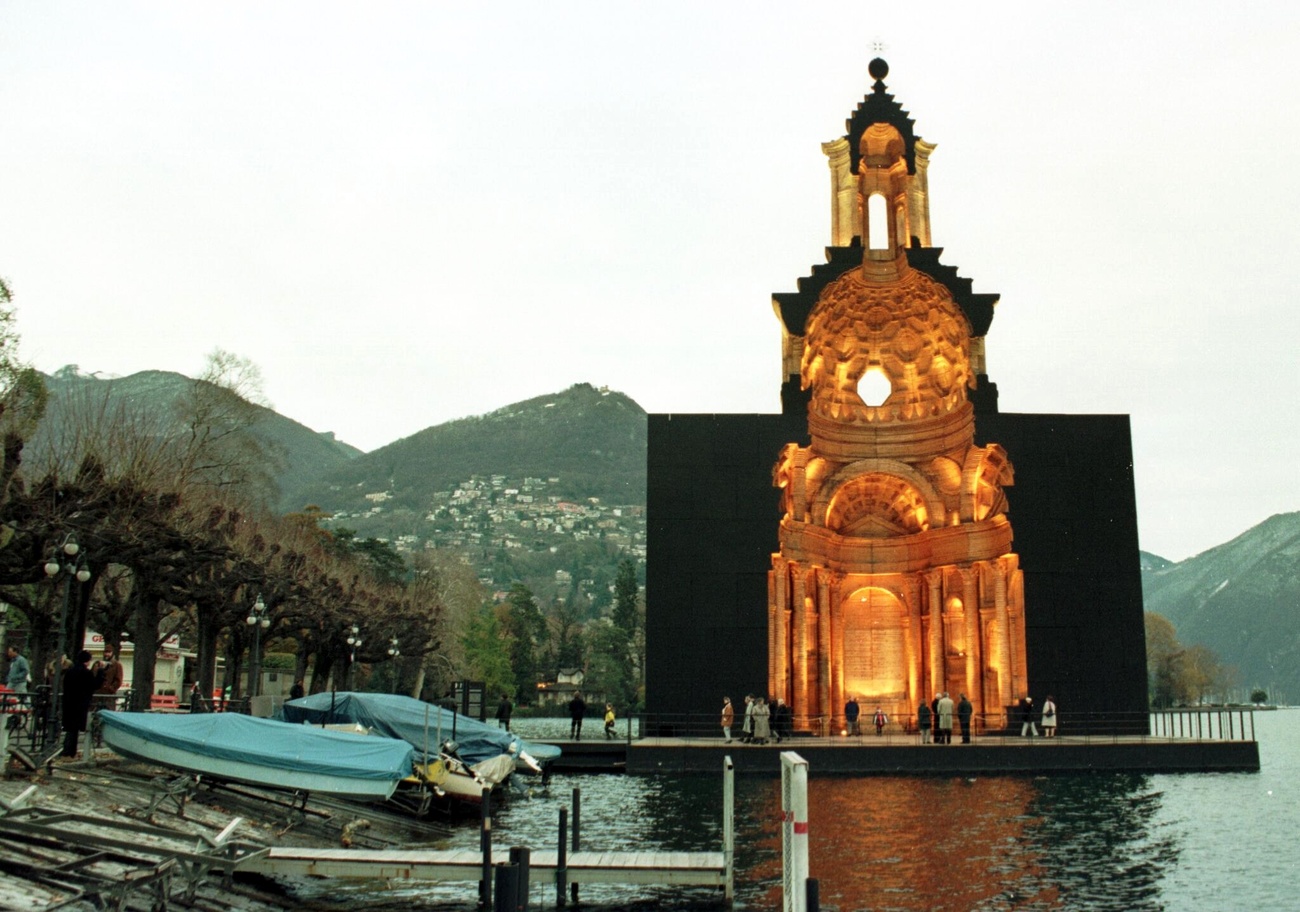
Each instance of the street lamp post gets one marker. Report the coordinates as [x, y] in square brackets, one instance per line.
[393, 653]
[258, 620]
[354, 640]
[74, 567]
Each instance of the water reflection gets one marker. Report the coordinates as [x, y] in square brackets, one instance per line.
[1087, 842]
[985, 843]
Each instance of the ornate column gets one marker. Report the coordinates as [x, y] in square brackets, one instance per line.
[915, 644]
[779, 670]
[974, 684]
[935, 580]
[823, 641]
[835, 605]
[799, 621]
[1007, 696]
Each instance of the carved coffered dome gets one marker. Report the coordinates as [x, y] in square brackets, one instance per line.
[879, 352]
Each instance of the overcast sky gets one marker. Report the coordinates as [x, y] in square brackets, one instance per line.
[407, 213]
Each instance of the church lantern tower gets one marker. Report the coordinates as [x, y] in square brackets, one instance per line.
[895, 577]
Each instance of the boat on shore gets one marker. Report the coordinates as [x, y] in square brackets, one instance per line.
[424, 726]
[263, 752]
[458, 756]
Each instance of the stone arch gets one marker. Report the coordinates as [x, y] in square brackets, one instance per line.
[986, 472]
[830, 489]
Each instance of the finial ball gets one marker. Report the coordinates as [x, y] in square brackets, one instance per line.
[878, 69]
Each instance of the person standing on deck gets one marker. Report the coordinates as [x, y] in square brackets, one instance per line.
[964, 712]
[728, 717]
[1049, 718]
[945, 718]
[851, 712]
[577, 711]
[782, 720]
[747, 726]
[923, 721]
[609, 721]
[1027, 726]
[762, 724]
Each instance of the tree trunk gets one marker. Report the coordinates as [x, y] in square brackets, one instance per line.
[144, 632]
[208, 629]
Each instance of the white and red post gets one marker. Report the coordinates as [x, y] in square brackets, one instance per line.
[794, 832]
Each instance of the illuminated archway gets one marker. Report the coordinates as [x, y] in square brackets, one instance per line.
[875, 647]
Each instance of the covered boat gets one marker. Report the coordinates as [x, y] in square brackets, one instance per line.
[263, 752]
[422, 725]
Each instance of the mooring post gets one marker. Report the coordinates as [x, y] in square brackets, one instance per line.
[520, 857]
[577, 827]
[562, 859]
[485, 845]
[729, 824]
[507, 884]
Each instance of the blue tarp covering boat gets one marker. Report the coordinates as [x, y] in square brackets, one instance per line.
[417, 723]
[264, 752]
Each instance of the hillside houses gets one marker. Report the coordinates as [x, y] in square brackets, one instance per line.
[495, 511]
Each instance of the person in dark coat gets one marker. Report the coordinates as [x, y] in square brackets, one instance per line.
[851, 711]
[964, 713]
[297, 691]
[577, 712]
[79, 686]
[924, 721]
[1027, 726]
[504, 710]
[782, 720]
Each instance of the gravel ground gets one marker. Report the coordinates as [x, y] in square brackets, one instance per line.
[87, 834]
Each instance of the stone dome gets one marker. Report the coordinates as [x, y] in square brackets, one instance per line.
[886, 351]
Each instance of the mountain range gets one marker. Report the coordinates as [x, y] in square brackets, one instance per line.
[551, 491]
[1239, 599]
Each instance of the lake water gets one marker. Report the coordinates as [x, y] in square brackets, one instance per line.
[1088, 842]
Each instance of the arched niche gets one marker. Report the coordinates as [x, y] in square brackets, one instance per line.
[875, 646]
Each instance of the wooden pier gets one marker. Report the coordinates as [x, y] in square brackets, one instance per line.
[704, 869]
[564, 868]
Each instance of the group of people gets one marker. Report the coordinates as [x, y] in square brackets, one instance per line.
[82, 683]
[760, 722]
[938, 715]
[578, 712]
[1028, 717]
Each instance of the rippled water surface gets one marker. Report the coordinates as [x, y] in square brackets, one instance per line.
[1088, 842]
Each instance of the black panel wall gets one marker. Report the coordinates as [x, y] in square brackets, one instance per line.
[712, 526]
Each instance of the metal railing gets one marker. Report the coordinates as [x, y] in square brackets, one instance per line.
[1236, 723]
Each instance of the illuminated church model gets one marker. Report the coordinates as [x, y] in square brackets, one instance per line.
[883, 566]
[895, 577]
